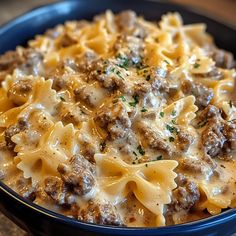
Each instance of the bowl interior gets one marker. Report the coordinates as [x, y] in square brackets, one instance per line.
[20, 30]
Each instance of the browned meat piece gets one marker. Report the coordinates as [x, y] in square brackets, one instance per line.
[223, 58]
[184, 140]
[86, 94]
[127, 22]
[114, 119]
[85, 62]
[219, 135]
[59, 82]
[25, 188]
[213, 139]
[12, 130]
[142, 88]
[153, 140]
[202, 94]
[58, 191]
[101, 213]
[126, 19]
[215, 73]
[109, 75]
[158, 80]
[229, 132]
[10, 60]
[197, 166]
[19, 92]
[33, 63]
[129, 51]
[79, 174]
[184, 197]
[88, 149]
[209, 112]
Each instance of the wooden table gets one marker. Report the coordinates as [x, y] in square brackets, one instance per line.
[221, 9]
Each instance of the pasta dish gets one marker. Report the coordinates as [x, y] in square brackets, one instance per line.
[121, 121]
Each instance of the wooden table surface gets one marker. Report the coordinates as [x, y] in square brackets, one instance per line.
[221, 9]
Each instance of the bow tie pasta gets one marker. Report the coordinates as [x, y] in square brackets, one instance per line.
[150, 182]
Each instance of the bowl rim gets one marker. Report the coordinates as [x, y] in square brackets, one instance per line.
[187, 227]
[192, 226]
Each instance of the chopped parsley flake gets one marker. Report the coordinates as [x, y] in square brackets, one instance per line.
[196, 65]
[135, 102]
[140, 150]
[119, 74]
[171, 139]
[172, 129]
[123, 98]
[124, 61]
[143, 109]
[135, 153]
[159, 158]
[146, 165]
[166, 62]
[162, 114]
[62, 99]
[230, 104]
[173, 122]
[173, 113]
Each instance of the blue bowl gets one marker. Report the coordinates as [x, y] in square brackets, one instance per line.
[39, 221]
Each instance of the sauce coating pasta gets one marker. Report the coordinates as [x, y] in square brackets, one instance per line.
[121, 121]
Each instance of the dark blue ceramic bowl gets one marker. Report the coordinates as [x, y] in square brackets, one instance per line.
[39, 221]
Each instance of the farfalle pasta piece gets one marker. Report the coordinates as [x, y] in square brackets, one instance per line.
[194, 34]
[220, 193]
[42, 97]
[182, 110]
[151, 182]
[221, 88]
[55, 146]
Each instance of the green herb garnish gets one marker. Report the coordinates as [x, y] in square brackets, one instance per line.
[124, 61]
[119, 74]
[143, 109]
[196, 65]
[166, 62]
[162, 114]
[172, 129]
[135, 102]
[123, 98]
[62, 99]
[173, 113]
[159, 158]
[140, 150]
[135, 153]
